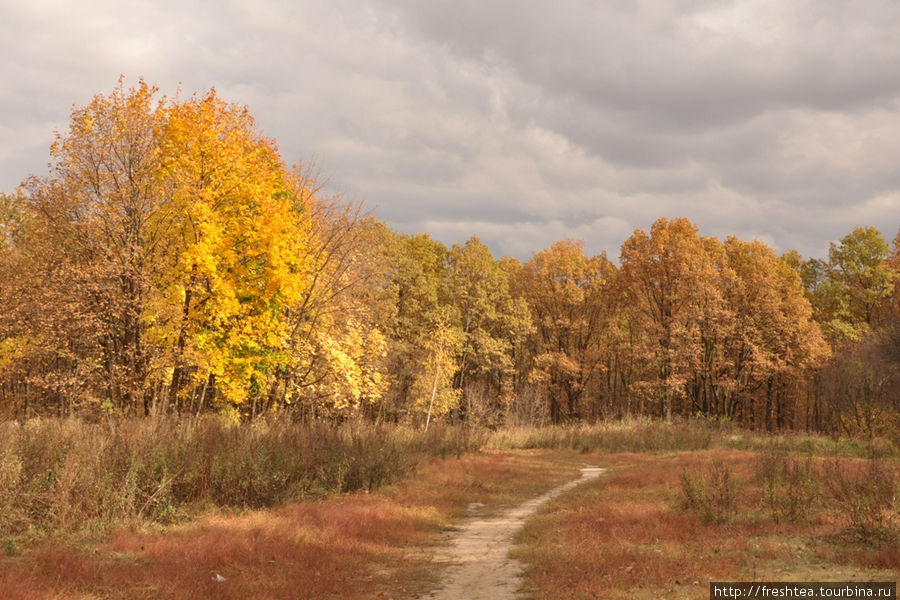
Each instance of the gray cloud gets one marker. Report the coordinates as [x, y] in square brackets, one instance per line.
[512, 120]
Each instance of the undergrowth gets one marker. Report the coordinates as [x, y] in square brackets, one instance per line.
[644, 435]
[620, 436]
[863, 494]
[712, 494]
[69, 476]
[868, 495]
[63, 476]
[791, 485]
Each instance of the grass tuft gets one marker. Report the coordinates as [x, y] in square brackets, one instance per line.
[791, 487]
[712, 493]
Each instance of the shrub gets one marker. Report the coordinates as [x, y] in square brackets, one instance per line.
[868, 495]
[712, 493]
[791, 487]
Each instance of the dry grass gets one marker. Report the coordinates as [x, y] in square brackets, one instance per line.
[64, 477]
[628, 535]
[364, 530]
[359, 545]
[632, 435]
[645, 435]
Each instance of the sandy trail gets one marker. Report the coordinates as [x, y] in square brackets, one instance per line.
[479, 554]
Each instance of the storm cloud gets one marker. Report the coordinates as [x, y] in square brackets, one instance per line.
[517, 121]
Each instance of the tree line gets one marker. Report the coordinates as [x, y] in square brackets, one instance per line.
[172, 262]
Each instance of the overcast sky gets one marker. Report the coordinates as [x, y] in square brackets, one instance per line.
[522, 122]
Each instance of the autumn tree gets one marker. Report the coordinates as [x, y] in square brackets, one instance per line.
[164, 250]
[492, 324]
[335, 342]
[772, 340]
[860, 387]
[668, 280]
[893, 263]
[423, 329]
[170, 260]
[432, 392]
[855, 303]
[95, 231]
[237, 265]
[567, 292]
[11, 344]
[855, 281]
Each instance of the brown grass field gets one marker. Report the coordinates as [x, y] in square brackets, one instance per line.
[659, 524]
[357, 545]
[629, 535]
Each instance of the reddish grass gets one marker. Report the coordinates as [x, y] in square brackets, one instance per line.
[626, 536]
[622, 536]
[354, 546]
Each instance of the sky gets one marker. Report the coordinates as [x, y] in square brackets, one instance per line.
[521, 122]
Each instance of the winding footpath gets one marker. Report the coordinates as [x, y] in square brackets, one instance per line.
[479, 553]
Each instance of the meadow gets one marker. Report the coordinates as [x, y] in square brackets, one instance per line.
[158, 509]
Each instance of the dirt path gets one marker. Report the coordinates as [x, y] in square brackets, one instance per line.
[479, 554]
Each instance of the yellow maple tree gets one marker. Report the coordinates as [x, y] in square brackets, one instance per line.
[239, 266]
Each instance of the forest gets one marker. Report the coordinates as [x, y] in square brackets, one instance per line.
[172, 263]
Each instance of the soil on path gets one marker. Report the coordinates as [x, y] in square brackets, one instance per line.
[479, 552]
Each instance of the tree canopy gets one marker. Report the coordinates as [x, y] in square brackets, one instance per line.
[171, 261]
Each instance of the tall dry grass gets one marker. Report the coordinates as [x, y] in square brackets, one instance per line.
[68, 475]
[647, 435]
[65, 476]
[634, 435]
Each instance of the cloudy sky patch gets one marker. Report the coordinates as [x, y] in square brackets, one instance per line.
[517, 121]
